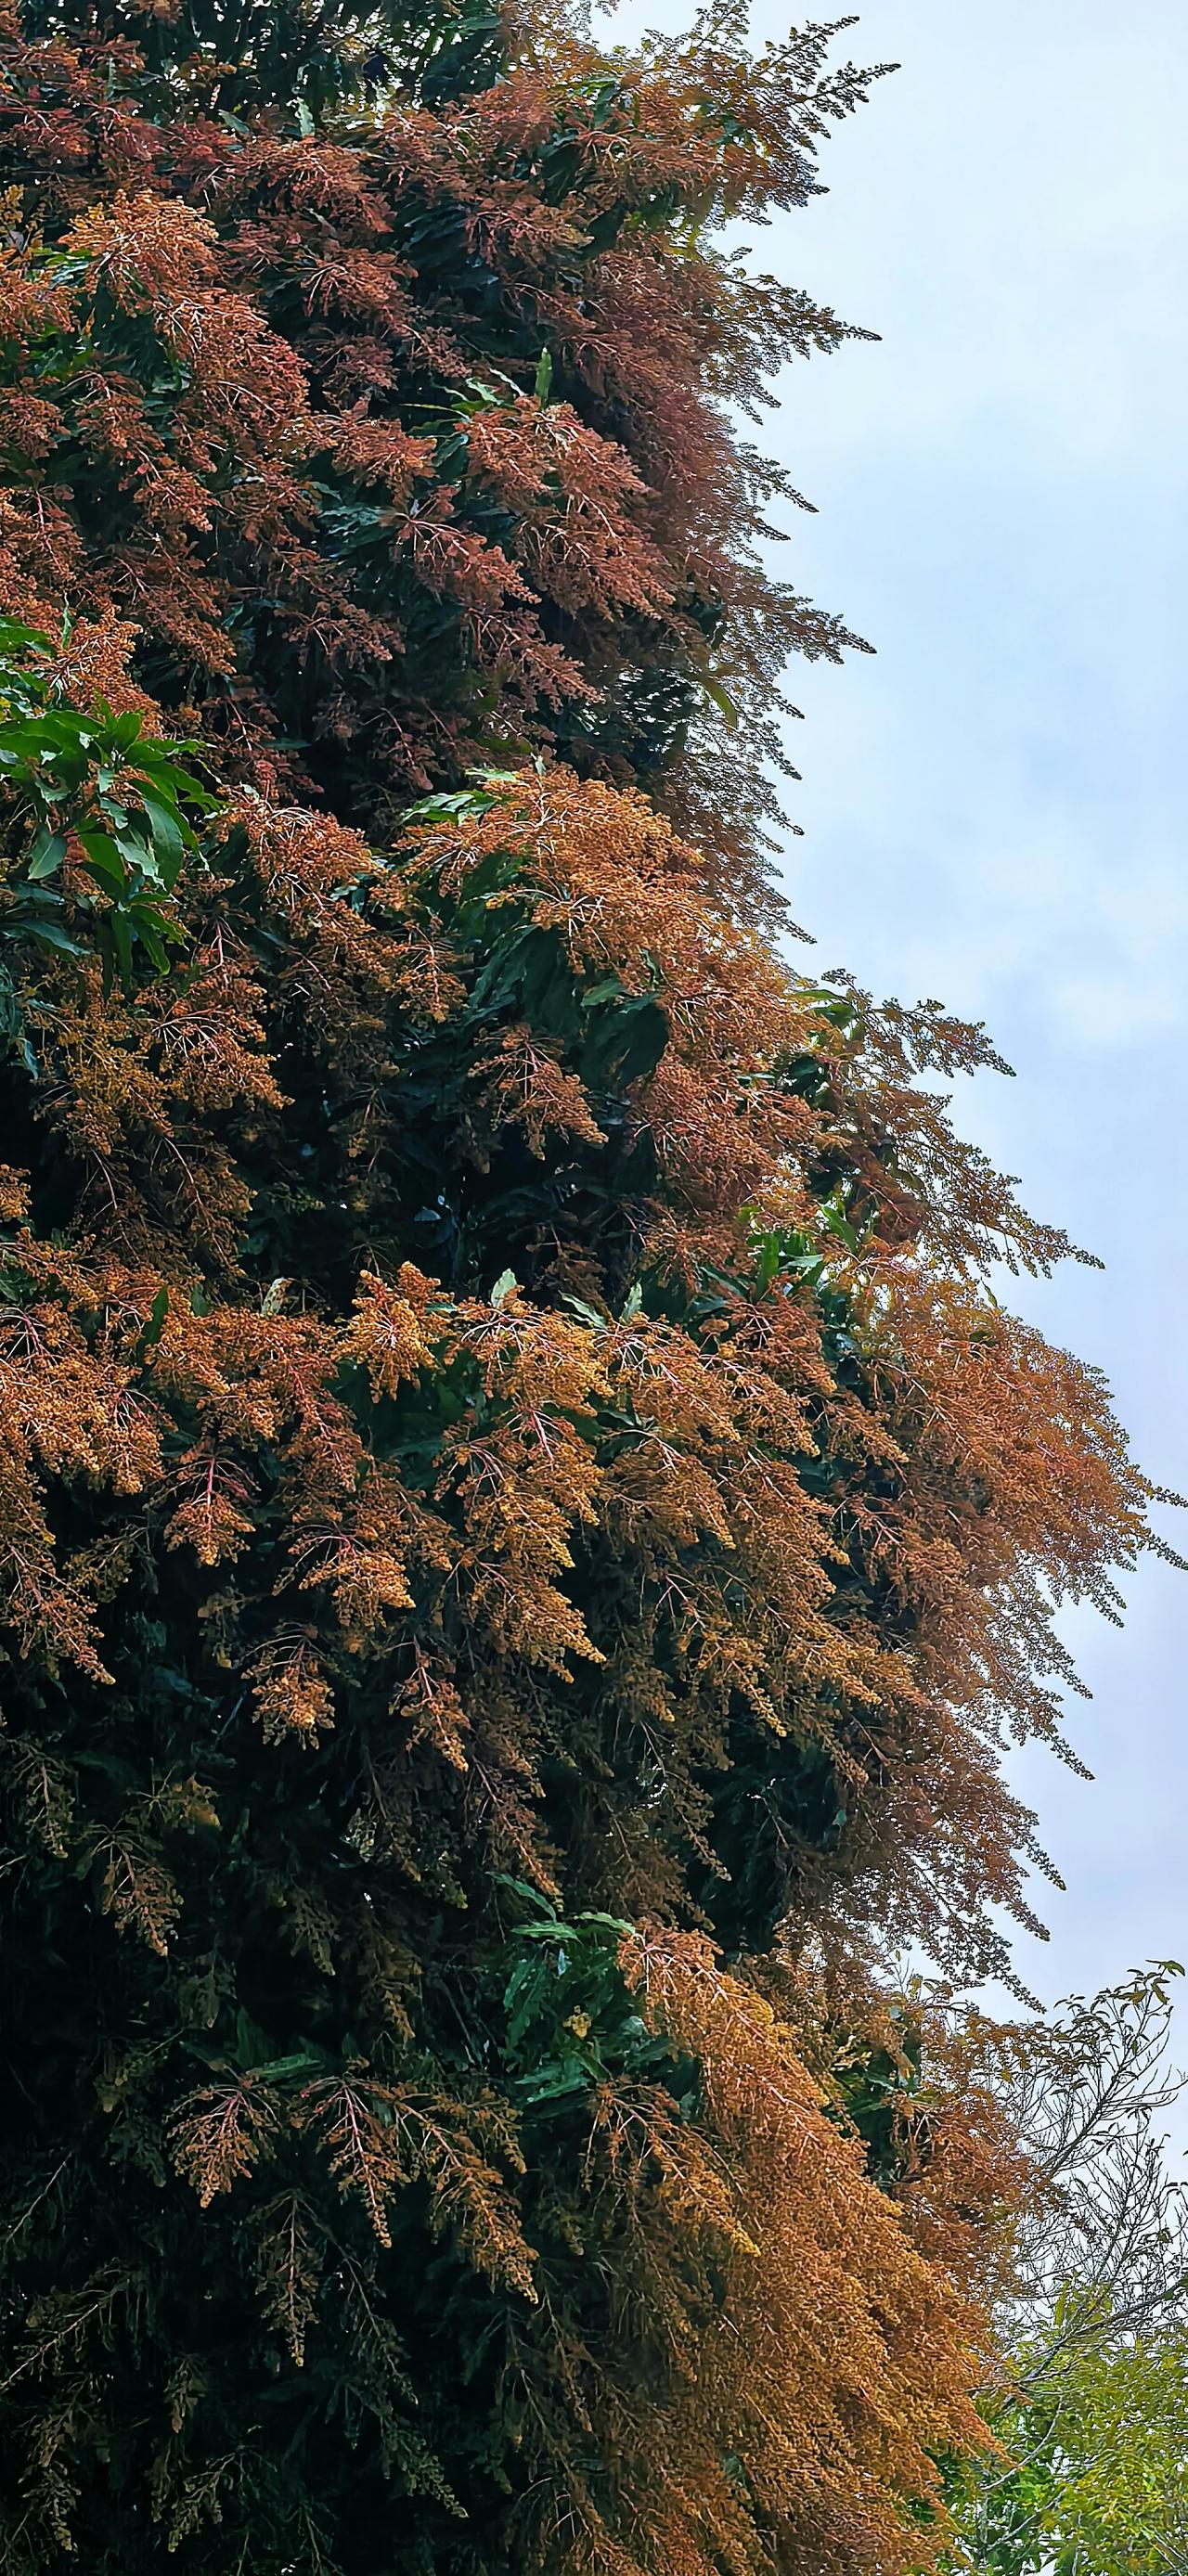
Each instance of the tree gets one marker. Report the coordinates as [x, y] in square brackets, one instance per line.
[1102, 2248]
[522, 1524]
[1090, 2402]
[1097, 2484]
[400, 437]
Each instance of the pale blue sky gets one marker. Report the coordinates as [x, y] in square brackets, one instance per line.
[994, 808]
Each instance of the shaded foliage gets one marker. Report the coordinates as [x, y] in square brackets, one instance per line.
[346, 1587]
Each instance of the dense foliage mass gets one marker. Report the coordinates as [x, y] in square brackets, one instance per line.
[522, 1528]
[399, 439]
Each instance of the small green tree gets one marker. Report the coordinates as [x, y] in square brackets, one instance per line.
[1092, 2412]
[1097, 2483]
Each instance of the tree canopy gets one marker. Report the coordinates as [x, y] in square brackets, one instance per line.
[1098, 2459]
[1089, 2401]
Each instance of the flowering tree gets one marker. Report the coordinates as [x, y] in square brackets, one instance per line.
[522, 1526]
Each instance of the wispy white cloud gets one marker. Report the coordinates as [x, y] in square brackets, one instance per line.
[994, 807]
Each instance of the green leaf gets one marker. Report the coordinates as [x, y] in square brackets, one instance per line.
[839, 1224]
[544, 375]
[625, 1042]
[721, 698]
[156, 1324]
[555, 2080]
[46, 853]
[51, 934]
[120, 933]
[153, 944]
[446, 807]
[104, 862]
[586, 1314]
[169, 838]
